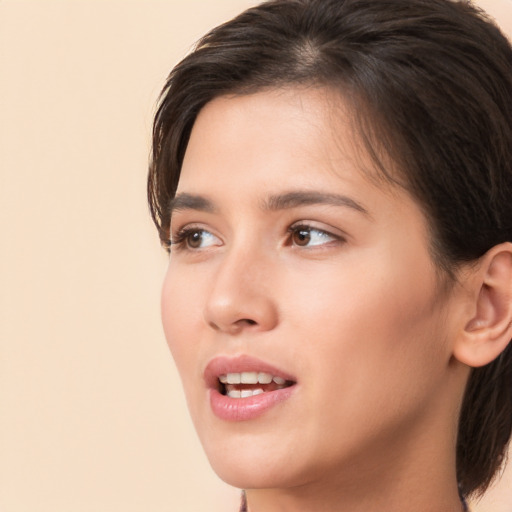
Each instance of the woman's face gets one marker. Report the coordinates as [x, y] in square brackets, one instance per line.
[289, 262]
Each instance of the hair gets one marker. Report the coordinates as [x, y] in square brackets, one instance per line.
[429, 84]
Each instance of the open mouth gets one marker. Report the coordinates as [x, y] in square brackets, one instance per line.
[243, 387]
[247, 384]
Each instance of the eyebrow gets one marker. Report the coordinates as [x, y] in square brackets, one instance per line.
[185, 201]
[285, 201]
[305, 198]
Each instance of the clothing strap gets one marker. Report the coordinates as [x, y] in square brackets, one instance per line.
[243, 504]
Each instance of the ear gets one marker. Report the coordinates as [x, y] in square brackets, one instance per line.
[488, 328]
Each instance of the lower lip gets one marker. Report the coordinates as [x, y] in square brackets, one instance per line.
[251, 407]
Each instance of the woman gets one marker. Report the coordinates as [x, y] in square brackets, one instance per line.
[333, 181]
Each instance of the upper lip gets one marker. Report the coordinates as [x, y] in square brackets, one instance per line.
[222, 365]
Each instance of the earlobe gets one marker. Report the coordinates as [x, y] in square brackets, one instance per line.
[488, 331]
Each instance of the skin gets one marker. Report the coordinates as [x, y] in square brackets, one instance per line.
[358, 314]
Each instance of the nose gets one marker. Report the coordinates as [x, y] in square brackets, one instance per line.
[241, 297]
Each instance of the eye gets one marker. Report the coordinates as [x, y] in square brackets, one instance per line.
[308, 236]
[194, 238]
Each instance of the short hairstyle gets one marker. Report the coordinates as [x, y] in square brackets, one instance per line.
[429, 86]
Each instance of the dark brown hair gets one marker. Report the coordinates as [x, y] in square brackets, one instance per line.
[429, 84]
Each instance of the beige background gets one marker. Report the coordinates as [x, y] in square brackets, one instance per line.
[91, 413]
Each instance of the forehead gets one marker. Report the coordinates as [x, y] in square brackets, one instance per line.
[304, 136]
[305, 131]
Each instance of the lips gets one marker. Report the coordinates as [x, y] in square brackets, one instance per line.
[243, 387]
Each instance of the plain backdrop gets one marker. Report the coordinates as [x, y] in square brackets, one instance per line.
[92, 416]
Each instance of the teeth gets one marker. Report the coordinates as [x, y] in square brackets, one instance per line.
[234, 378]
[250, 378]
[264, 378]
[245, 393]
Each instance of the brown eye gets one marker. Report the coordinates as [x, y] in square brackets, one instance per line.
[309, 236]
[194, 239]
[301, 236]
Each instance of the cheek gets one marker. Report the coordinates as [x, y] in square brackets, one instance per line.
[180, 312]
[374, 331]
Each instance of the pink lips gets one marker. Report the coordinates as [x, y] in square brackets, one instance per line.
[242, 409]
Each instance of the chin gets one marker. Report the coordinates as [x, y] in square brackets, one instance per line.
[243, 477]
[256, 468]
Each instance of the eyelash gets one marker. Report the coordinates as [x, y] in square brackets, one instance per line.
[297, 228]
[179, 240]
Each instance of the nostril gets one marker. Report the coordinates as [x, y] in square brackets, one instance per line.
[214, 326]
[236, 325]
